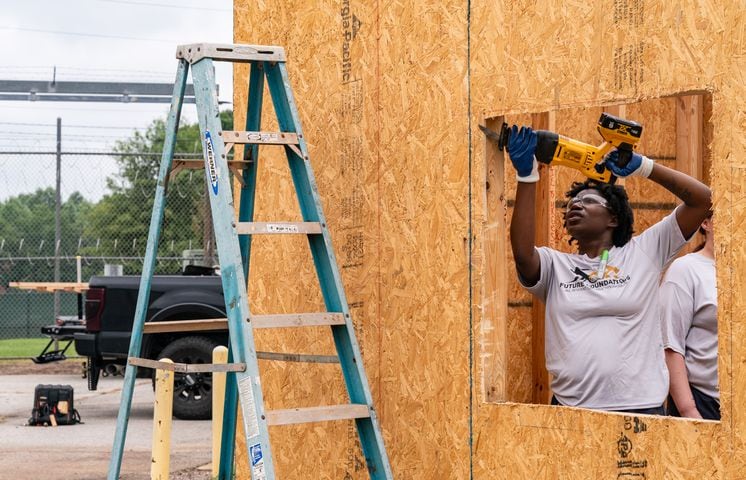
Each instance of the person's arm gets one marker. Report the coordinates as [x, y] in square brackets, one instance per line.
[676, 298]
[679, 387]
[522, 227]
[521, 147]
[695, 194]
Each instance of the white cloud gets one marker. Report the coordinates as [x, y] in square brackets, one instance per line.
[85, 52]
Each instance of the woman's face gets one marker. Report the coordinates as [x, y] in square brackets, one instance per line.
[588, 215]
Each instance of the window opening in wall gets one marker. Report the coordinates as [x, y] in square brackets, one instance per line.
[676, 131]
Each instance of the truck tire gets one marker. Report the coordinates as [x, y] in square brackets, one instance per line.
[192, 391]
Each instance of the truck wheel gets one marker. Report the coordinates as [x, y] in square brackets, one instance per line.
[192, 391]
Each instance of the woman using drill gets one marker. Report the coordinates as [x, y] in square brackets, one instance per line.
[603, 335]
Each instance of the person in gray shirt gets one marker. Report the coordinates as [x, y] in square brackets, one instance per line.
[690, 332]
[603, 336]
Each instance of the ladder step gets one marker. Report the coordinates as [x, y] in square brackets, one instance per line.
[199, 325]
[297, 357]
[198, 163]
[258, 228]
[259, 138]
[258, 321]
[282, 320]
[317, 414]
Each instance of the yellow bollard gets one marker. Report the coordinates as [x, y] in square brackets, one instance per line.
[162, 413]
[219, 355]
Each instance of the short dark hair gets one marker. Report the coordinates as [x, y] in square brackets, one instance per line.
[619, 205]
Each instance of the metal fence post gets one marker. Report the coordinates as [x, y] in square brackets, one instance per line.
[57, 221]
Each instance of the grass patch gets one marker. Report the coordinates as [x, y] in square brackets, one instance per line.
[22, 347]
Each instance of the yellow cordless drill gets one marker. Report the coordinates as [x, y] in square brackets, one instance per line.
[554, 149]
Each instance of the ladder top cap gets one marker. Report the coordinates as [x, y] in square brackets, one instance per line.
[228, 52]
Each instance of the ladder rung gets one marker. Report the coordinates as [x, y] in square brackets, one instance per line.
[297, 320]
[259, 138]
[258, 321]
[198, 163]
[297, 357]
[230, 52]
[317, 414]
[258, 228]
[199, 325]
[187, 367]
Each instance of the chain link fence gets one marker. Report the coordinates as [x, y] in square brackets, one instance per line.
[102, 215]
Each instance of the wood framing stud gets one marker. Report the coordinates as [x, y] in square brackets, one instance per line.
[77, 287]
[545, 211]
[493, 328]
[689, 133]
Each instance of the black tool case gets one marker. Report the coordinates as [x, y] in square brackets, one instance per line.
[53, 405]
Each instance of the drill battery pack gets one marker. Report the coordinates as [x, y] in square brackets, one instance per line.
[53, 405]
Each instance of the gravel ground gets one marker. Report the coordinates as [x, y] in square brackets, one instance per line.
[81, 455]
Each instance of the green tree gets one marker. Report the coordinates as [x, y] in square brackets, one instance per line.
[119, 223]
[27, 230]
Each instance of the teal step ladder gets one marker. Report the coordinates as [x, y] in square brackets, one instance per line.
[233, 239]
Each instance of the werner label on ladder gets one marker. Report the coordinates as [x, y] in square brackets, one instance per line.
[233, 240]
[212, 171]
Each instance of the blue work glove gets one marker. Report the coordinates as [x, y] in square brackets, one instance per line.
[521, 147]
[638, 166]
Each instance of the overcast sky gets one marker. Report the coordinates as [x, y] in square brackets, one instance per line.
[93, 40]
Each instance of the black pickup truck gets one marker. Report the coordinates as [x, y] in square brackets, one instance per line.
[104, 337]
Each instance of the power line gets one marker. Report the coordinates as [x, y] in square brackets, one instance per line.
[63, 71]
[82, 34]
[69, 126]
[109, 153]
[30, 124]
[45, 134]
[142, 106]
[166, 5]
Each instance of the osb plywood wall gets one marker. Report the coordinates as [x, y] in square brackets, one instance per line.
[390, 95]
[390, 160]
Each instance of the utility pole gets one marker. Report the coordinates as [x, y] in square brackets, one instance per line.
[57, 211]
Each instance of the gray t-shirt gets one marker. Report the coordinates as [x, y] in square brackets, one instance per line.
[603, 335]
[690, 324]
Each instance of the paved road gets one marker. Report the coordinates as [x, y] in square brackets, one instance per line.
[83, 451]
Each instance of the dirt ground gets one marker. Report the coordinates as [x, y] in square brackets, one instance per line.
[27, 367]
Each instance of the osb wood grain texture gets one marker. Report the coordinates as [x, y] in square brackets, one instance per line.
[391, 162]
[282, 275]
[530, 56]
[527, 56]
